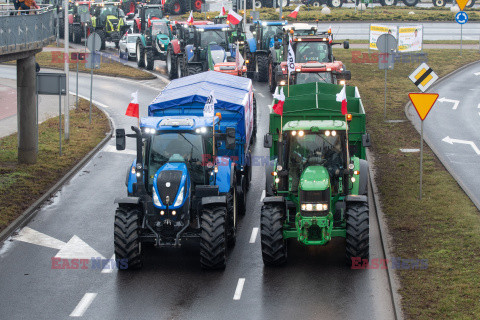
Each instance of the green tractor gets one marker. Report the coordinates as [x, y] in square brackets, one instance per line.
[317, 180]
[155, 36]
[109, 22]
[236, 33]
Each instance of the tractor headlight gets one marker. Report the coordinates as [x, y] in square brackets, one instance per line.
[283, 82]
[179, 198]
[314, 206]
[156, 201]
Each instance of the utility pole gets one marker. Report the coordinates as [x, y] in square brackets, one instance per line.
[67, 67]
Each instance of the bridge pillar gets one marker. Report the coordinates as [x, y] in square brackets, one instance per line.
[26, 110]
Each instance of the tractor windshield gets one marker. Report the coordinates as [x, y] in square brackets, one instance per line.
[159, 28]
[112, 10]
[153, 12]
[311, 51]
[178, 147]
[212, 36]
[309, 77]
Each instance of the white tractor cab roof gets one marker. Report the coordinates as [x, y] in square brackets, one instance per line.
[301, 29]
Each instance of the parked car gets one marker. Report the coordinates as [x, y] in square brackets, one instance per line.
[127, 43]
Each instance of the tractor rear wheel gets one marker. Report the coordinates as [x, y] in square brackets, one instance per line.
[77, 33]
[148, 57]
[357, 233]
[197, 5]
[171, 62]
[213, 238]
[272, 84]
[102, 35]
[140, 51]
[274, 246]
[180, 64]
[175, 7]
[193, 69]
[388, 2]
[261, 67]
[410, 3]
[232, 213]
[126, 237]
[335, 3]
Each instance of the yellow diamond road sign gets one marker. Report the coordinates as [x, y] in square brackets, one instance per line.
[423, 77]
[462, 4]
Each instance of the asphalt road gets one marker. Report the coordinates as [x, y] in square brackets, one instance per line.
[451, 128]
[78, 222]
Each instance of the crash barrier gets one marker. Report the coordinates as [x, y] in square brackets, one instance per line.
[24, 32]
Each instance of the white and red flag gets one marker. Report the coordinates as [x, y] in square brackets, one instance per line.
[342, 97]
[190, 18]
[234, 17]
[294, 13]
[223, 12]
[278, 107]
[132, 109]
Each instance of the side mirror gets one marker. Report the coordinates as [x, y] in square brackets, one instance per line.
[346, 45]
[230, 138]
[120, 139]
[345, 75]
[252, 28]
[267, 141]
[366, 140]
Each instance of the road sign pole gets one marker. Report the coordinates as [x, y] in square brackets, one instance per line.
[421, 158]
[461, 38]
[60, 114]
[76, 96]
[91, 88]
[385, 103]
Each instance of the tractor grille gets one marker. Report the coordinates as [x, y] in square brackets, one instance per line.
[314, 196]
[174, 178]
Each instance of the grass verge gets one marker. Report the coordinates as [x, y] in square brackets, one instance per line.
[21, 185]
[445, 226]
[349, 14]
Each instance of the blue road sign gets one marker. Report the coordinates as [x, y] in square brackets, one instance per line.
[461, 17]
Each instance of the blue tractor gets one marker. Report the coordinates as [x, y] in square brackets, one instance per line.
[191, 173]
[266, 35]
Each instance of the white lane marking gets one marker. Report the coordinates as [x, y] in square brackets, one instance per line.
[455, 102]
[76, 248]
[108, 267]
[410, 150]
[449, 140]
[238, 291]
[263, 196]
[34, 237]
[478, 108]
[260, 94]
[253, 237]
[83, 305]
[110, 148]
[477, 73]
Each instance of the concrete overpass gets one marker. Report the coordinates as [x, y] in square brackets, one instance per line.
[21, 37]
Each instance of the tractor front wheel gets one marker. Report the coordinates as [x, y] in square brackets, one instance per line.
[77, 33]
[193, 69]
[213, 238]
[103, 36]
[126, 237]
[335, 3]
[272, 84]
[232, 212]
[261, 67]
[140, 51]
[148, 57]
[274, 246]
[171, 62]
[357, 233]
[197, 5]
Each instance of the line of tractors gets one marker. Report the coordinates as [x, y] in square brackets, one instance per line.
[194, 163]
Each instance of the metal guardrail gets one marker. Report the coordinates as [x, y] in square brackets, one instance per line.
[24, 32]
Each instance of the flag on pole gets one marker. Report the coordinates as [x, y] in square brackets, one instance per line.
[190, 18]
[132, 109]
[223, 12]
[234, 17]
[278, 107]
[290, 58]
[239, 61]
[342, 97]
[209, 108]
[294, 13]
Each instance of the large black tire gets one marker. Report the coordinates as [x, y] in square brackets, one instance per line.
[274, 246]
[232, 213]
[357, 238]
[335, 3]
[470, 4]
[61, 29]
[242, 193]
[175, 7]
[194, 69]
[126, 237]
[77, 33]
[254, 131]
[272, 84]
[439, 3]
[180, 66]
[316, 3]
[140, 51]
[388, 2]
[148, 57]
[171, 62]
[410, 3]
[258, 4]
[103, 36]
[213, 238]
[197, 5]
[261, 67]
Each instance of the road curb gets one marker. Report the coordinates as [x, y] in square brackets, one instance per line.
[28, 214]
[393, 280]
[416, 124]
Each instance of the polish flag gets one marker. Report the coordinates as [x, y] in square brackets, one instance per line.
[294, 13]
[190, 18]
[132, 109]
[234, 17]
[223, 12]
[342, 97]
[278, 107]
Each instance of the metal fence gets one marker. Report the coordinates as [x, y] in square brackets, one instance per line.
[23, 32]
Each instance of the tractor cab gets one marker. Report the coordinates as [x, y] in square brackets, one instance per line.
[266, 33]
